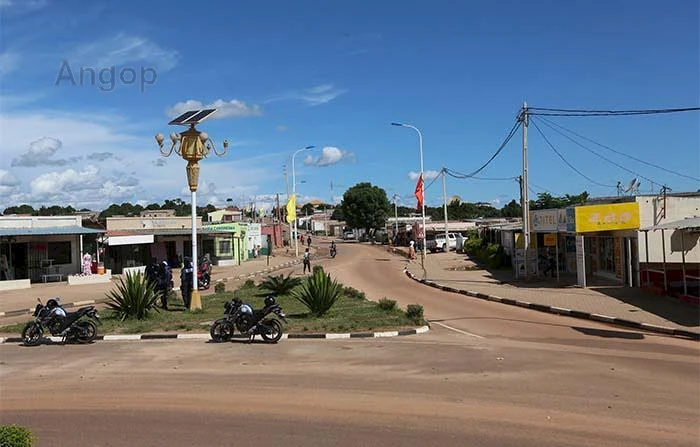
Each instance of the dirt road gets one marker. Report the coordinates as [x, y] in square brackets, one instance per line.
[493, 375]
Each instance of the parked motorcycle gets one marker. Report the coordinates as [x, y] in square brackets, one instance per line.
[204, 274]
[241, 317]
[73, 326]
[333, 251]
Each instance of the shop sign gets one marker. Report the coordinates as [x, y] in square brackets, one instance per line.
[611, 216]
[550, 239]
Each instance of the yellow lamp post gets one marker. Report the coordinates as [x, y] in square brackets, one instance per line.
[193, 146]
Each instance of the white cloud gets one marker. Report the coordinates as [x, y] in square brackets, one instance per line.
[225, 109]
[427, 175]
[314, 96]
[9, 61]
[40, 153]
[21, 6]
[9, 184]
[123, 49]
[330, 155]
[282, 128]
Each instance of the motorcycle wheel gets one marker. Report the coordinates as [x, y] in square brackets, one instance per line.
[221, 331]
[85, 331]
[31, 334]
[275, 331]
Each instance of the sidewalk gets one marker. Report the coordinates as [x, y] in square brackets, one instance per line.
[13, 301]
[615, 304]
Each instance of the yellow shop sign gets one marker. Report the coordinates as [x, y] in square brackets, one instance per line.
[611, 216]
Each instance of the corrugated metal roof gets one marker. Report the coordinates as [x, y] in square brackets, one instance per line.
[48, 231]
[684, 224]
[168, 231]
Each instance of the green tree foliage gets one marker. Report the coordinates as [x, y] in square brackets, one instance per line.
[365, 206]
[546, 201]
[307, 210]
[512, 209]
[458, 210]
[338, 214]
[15, 436]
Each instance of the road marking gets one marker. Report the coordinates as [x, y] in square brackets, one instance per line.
[456, 330]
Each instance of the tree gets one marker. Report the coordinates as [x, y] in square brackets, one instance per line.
[307, 209]
[22, 209]
[512, 209]
[365, 206]
[338, 213]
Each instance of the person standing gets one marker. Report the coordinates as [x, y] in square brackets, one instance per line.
[187, 282]
[308, 240]
[165, 283]
[307, 260]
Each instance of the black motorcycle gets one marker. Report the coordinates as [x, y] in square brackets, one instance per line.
[72, 326]
[204, 274]
[333, 251]
[241, 317]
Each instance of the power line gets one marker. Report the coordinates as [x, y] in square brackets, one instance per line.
[433, 181]
[566, 161]
[604, 158]
[578, 112]
[552, 123]
[512, 132]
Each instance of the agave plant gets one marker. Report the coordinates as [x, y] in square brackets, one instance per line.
[280, 284]
[318, 292]
[134, 297]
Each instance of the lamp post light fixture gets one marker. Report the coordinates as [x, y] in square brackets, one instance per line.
[192, 145]
[420, 145]
[294, 193]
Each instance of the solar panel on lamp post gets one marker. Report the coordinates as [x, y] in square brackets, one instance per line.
[193, 146]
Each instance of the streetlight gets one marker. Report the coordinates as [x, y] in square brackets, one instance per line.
[294, 193]
[420, 143]
[193, 146]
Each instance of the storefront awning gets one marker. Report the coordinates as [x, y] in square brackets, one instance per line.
[684, 224]
[129, 240]
[48, 231]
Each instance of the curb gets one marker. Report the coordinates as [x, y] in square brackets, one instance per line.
[206, 336]
[13, 313]
[562, 311]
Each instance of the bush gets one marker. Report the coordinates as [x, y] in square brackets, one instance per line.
[280, 284]
[414, 312]
[318, 292]
[133, 298]
[387, 304]
[317, 268]
[15, 436]
[248, 284]
[351, 292]
[220, 287]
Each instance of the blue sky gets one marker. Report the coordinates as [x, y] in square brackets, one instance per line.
[335, 74]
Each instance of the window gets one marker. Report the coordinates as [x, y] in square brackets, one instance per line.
[225, 246]
[60, 252]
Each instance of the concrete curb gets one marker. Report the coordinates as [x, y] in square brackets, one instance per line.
[206, 336]
[13, 313]
[562, 311]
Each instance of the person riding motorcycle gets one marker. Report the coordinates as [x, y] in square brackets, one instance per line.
[333, 249]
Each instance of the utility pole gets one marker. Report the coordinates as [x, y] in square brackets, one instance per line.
[526, 199]
[444, 204]
[396, 215]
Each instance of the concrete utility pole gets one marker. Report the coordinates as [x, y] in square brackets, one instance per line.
[526, 199]
[444, 200]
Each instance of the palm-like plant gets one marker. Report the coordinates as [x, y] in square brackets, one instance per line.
[318, 292]
[134, 297]
[280, 284]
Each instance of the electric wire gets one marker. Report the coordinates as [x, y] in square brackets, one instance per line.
[552, 123]
[510, 135]
[543, 111]
[566, 161]
[601, 156]
[433, 180]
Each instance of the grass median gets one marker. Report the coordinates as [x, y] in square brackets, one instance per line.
[351, 313]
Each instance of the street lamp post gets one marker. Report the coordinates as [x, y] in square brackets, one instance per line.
[193, 147]
[420, 144]
[294, 193]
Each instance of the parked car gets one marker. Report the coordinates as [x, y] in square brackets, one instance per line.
[349, 235]
[438, 243]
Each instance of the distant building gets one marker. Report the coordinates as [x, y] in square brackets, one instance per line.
[224, 215]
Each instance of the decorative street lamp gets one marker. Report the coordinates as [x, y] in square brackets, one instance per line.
[193, 146]
[294, 192]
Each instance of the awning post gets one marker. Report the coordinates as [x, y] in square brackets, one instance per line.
[685, 282]
[663, 252]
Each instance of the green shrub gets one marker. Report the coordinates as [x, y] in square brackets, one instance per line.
[248, 284]
[414, 312]
[133, 297]
[220, 287]
[318, 292]
[351, 292]
[317, 268]
[387, 304]
[280, 284]
[15, 436]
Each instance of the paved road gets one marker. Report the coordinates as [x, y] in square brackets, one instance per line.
[502, 376]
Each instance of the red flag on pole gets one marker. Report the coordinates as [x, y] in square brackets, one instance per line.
[419, 192]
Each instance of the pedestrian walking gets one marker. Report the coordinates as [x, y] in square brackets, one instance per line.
[411, 251]
[187, 282]
[308, 240]
[307, 260]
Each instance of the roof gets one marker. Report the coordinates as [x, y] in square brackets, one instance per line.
[46, 231]
[169, 231]
[683, 224]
